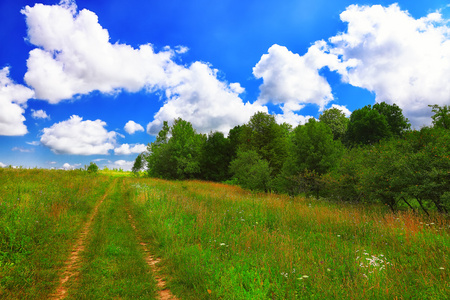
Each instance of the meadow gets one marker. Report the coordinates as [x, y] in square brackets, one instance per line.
[214, 241]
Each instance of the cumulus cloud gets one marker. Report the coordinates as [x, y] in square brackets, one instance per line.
[13, 101]
[131, 127]
[385, 50]
[68, 166]
[75, 136]
[75, 56]
[402, 59]
[2, 165]
[127, 149]
[342, 108]
[291, 79]
[198, 96]
[39, 114]
[121, 164]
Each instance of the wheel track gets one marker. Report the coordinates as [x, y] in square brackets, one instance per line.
[164, 293]
[72, 264]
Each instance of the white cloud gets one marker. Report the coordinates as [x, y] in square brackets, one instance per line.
[39, 114]
[13, 101]
[131, 127]
[196, 95]
[34, 143]
[401, 59]
[75, 136]
[121, 164]
[23, 150]
[2, 165]
[126, 149]
[68, 166]
[385, 50]
[75, 56]
[291, 79]
[342, 108]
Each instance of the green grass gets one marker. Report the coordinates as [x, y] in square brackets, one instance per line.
[215, 241]
[113, 263]
[220, 242]
[41, 213]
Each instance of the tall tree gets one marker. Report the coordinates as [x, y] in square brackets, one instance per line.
[367, 126]
[398, 124]
[269, 139]
[215, 157]
[336, 120]
[441, 117]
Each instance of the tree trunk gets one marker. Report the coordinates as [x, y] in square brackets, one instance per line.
[421, 205]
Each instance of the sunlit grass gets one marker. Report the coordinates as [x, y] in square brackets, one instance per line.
[41, 212]
[220, 241]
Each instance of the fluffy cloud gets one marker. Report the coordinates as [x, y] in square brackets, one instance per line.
[402, 59]
[196, 95]
[121, 164]
[75, 136]
[68, 166]
[2, 165]
[13, 100]
[126, 149]
[131, 127]
[342, 108]
[385, 50]
[39, 114]
[75, 57]
[291, 79]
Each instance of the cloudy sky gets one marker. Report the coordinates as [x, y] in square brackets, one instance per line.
[94, 80]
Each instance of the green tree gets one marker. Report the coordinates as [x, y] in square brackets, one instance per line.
[269, 139]
[138, 164]
[216, 157]
[398, 124]
[367, 126]
[251, 170]
[159, 160]
[312, 153]
[92, 168]
[336, 120]
[441, 117]
[177, 157]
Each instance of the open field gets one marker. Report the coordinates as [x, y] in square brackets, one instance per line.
[213, 241]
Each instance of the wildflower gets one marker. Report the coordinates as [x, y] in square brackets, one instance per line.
[222, 244]
[441, 268]
[328, 270]
[305, 276]
[338, 235]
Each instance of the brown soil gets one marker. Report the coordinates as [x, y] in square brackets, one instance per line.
[163, 293]
[71, 266]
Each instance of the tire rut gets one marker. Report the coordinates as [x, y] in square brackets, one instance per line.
[164, 293]
[72, 264]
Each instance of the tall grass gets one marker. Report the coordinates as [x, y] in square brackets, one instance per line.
[41, 212]
[221, 242]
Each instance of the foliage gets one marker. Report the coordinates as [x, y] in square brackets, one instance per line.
[92, 168]
[215, 157]
[251, 171]
[441, 117]
[269, 139]
[179, 156]
[138, 164]
[336, 120]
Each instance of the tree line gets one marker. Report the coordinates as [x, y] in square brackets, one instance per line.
[371, 157]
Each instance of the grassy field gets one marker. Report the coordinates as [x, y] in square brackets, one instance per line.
[221, 242]
[215, 242]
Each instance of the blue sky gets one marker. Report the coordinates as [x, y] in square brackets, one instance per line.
[94, 80]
